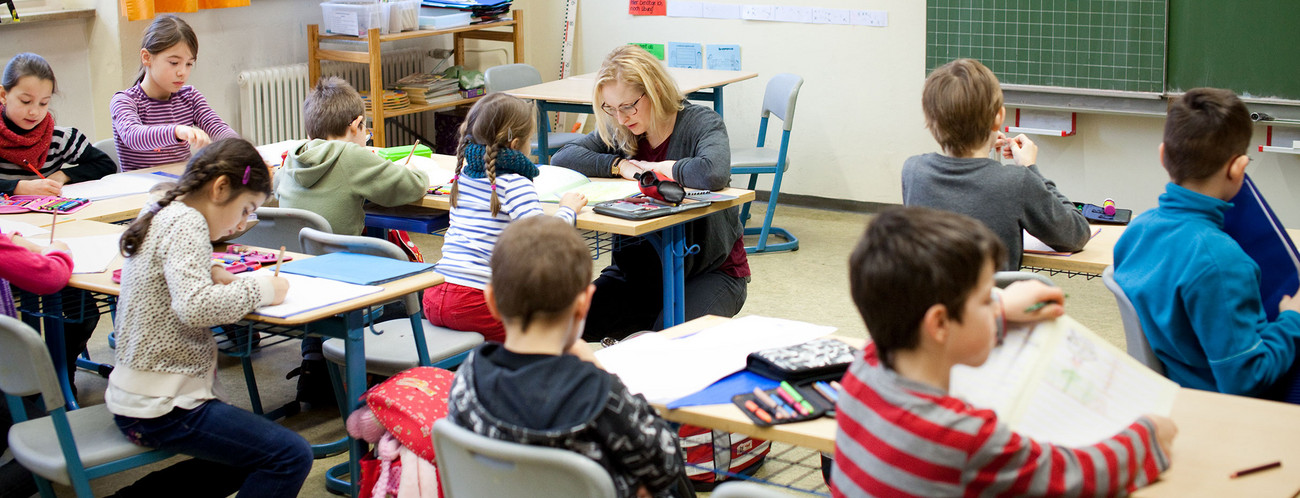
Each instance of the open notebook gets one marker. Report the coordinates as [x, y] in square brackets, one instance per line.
[309, 293]
[1034, 246]
[1061, 383]
[554, 181]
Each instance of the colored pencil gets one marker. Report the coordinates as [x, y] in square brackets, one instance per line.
[278, 259]
[1252, 470]
[411, 153]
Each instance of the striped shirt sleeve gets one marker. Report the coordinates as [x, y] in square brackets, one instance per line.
[519, 200]
[129, 127]
[207, 119]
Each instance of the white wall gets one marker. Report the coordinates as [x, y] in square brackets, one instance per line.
[859, 113]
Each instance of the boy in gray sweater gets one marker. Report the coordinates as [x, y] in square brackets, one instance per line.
[962, 101]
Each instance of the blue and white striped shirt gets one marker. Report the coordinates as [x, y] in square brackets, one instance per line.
[473, 231]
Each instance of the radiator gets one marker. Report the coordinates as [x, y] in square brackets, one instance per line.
[270, 99]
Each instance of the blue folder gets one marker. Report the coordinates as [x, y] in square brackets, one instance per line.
[1253, 225]
[720, 392]
[360, 269]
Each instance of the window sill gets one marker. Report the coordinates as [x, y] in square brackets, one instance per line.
[47, 16]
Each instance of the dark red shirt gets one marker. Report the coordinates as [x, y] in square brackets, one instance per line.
[737, 263]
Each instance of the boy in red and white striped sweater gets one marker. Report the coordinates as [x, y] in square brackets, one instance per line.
[923, 281]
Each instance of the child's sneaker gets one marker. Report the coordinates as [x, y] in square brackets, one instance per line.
[314, 386]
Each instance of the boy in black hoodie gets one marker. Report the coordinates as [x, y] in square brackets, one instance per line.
[544, 387]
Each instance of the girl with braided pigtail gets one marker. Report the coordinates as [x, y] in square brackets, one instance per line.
[162, 392]
[493, 186]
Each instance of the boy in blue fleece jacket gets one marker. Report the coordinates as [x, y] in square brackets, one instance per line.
[1195, 290]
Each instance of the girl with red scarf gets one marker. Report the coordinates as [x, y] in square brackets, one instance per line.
[36, 157]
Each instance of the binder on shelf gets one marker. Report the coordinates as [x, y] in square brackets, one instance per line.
[1035, 122]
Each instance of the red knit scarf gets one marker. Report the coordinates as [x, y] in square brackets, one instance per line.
[32, 146]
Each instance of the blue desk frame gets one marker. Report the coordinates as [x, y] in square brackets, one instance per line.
[544, 107]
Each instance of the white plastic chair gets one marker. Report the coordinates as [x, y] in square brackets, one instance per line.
[779, 99]
[746, 489]
[512, 76]
[279, 226]
[108, 146]
[69, 448]
[388, 344]
[472, 465]
[1134, 338]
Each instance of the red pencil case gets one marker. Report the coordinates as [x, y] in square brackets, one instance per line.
[41, 204]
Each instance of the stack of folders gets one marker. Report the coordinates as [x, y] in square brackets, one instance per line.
[426, 88]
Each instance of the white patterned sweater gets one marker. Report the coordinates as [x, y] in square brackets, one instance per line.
[166, 355]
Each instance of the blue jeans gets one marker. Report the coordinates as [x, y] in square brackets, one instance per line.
[232, 449]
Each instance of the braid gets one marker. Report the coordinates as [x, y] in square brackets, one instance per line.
[490, 166]
[460, 163]
[135, 234]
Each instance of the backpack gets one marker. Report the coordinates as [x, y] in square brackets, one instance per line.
[707, 450]
[403, 241]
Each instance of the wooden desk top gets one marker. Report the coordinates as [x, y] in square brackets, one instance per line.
[103, 282]
[107, 210]
[1217, 435]
[578, 89]
[1096, 256]
[589, 220]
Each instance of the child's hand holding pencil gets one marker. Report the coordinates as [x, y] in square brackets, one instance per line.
[1032, 301]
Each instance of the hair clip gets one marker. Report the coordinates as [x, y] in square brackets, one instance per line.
[248, 171]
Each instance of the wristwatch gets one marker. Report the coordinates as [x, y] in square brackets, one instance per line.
[614, 170]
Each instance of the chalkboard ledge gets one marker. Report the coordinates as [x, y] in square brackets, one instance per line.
[1153, 105]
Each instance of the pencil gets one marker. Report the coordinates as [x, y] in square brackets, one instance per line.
[411, 153]
[1253, 470]
[33, 169]
[54, 221]
[278, 259]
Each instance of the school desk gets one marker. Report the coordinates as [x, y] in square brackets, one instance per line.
[342, 320]
[666, 234]
[1095, 256]
[573, 94]
[114, 210]
[1217, 434]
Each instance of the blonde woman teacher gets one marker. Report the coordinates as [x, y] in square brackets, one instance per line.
[644, 123]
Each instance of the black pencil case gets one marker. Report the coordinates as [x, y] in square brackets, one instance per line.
[821, 406]
[818, 359]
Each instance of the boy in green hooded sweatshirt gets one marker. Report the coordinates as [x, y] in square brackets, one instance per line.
[333, 174]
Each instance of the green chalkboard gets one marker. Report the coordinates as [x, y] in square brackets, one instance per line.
[1247, 46]
[1085, 44]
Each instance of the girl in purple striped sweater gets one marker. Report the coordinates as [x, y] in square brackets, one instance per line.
[160, 119]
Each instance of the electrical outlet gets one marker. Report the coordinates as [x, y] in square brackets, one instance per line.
[442, 53]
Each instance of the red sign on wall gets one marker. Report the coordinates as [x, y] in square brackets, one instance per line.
[647, 7]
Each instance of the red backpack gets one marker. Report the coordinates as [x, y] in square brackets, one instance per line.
[708, 450]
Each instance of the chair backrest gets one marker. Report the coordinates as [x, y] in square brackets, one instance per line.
[278, 226]
[474, 465]
[510, 77]
[25, 365]
[780, 96]
[1134, 338]
[317, 242]
[746, 489]
[108, 146]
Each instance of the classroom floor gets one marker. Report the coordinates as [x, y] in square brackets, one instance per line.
[809, 284]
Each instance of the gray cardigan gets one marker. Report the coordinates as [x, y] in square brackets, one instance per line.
[1006, 198]
[700, 146]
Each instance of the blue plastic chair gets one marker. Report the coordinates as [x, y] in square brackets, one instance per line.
[1136, 340]
[67, 447]
[779, 99]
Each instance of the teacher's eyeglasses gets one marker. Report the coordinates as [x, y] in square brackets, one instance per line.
[627, 110]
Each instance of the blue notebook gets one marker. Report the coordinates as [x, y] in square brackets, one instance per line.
[1254, 226]
[360, 269]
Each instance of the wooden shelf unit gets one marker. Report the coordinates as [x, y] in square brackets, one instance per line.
[372, 55]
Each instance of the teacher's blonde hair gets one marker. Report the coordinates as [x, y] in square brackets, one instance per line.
[633, 66]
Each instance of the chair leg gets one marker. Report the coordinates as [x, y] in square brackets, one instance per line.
[47, 491]
[744, 211]
[791, 243]
[421, 347]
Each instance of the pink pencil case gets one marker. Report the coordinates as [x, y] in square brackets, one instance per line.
[41, 204]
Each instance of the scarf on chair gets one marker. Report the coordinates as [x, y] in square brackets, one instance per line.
[31, 146]
[508, 161]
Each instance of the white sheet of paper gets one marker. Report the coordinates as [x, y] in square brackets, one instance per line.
[115, 185]
[680, 8]
[712, 10]
[1062, 384]
[665, 369]
[26, 229]
[309, 293]
[89, 254]
[1032, 244]
[437, 174]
